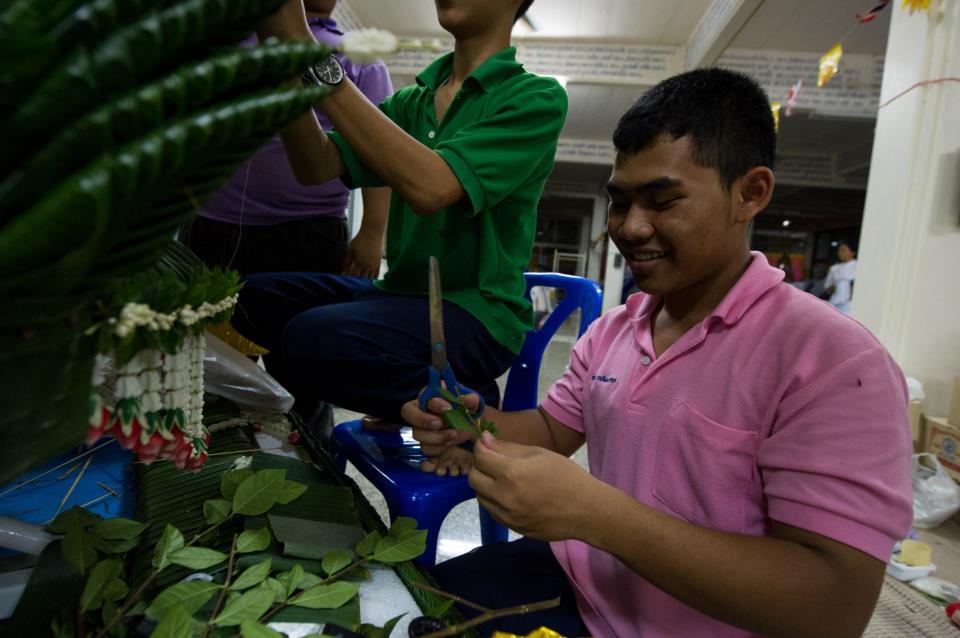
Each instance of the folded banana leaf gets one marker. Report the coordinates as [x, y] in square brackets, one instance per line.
[138, 52]
[142, 110]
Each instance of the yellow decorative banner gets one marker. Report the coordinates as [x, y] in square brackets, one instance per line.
[914, 5]
[775, 109]
[829, 64]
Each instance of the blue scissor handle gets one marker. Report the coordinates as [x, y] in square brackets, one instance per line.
[433, 387]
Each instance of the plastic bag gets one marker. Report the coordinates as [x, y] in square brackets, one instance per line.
[229, 374]
[935, 496]
[915, 389]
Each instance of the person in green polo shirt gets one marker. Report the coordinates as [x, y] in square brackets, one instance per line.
[466, 151]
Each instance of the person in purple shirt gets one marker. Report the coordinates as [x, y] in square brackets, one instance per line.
[263, 220]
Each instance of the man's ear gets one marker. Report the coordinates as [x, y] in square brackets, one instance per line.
[752, 193]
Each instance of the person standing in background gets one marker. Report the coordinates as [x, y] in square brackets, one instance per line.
[839, 283]
[263, 220]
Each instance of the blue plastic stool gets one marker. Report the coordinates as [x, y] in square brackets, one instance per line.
[391, 460]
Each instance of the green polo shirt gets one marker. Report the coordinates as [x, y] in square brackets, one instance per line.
[499, 137]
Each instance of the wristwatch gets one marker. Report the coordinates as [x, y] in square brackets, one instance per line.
[327, 71]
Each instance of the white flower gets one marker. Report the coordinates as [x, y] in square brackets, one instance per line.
[242, 463]
[151, 402]
[368, 45]
[128, 386]
[151, 380]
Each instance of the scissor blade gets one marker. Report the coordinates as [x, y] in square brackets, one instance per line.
[438, 347]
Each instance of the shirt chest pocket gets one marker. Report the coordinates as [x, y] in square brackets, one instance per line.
[704, 470]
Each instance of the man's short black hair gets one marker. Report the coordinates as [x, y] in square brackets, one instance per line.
[523, 9]
[726, 115]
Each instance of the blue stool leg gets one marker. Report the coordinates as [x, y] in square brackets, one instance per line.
[490, 530]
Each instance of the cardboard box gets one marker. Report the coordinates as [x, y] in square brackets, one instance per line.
[915, 412]
[953, 416]
[943, 440]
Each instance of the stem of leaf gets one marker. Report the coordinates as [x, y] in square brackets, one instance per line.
[462, 601]
[226, 586]
[132, 600]
[326, 581]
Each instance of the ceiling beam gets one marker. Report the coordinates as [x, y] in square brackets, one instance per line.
[718, 27]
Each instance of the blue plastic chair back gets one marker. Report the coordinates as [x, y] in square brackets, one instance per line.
[524, 378]
[391, 460]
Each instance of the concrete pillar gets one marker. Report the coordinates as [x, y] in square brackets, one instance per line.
[908, 277]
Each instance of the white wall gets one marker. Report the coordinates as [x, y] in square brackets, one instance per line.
[908, 280]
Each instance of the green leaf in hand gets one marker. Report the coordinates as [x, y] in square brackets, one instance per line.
[189, 596]
[489, 426]
[197, 557]
[459, 421]
[253, 540]
[336, 560]
[101, 576]
[253, 629]
[216, 510]
[329, 596]
[252, 604]
[252, 576]
[290, 492]
[169, 542]
[259, 492]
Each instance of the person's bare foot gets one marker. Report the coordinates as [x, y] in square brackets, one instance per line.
[380, 425]
[453, 462]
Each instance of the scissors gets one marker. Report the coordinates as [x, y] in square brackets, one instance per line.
[439, 366]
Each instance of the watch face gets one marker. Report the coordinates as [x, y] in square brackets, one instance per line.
[329, 70]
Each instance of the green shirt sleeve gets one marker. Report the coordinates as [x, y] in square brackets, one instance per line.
[358, 174]
[495, 154]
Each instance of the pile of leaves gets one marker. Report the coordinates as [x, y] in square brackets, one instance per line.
[235, 599]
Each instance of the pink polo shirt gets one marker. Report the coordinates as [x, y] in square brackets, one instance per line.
[775, 407]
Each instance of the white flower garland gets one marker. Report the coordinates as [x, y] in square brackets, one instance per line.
[138, 315]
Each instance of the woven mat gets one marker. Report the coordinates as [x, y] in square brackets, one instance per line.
[903, 611]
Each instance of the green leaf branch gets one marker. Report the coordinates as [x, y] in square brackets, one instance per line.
[245, 493]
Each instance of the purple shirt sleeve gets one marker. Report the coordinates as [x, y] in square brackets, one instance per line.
[263, 190]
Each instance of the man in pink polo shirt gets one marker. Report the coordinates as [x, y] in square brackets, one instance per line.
[749, 445]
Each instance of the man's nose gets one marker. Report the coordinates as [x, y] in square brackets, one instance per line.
[637, 225]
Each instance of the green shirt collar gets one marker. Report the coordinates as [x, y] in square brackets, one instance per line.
[494, 69]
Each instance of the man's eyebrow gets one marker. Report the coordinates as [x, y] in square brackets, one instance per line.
[616, 188]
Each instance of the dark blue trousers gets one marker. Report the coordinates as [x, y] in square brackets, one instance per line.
[342, 340]
[502, 575]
